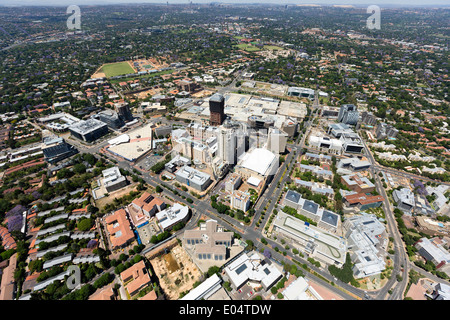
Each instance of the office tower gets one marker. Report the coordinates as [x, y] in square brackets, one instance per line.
[123, 110]
[216, 109]
[227, 146]
[348, 114]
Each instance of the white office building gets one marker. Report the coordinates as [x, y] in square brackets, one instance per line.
[366, 239]
[300, 289]
[315, 242]
[171, 216]
[253, 267]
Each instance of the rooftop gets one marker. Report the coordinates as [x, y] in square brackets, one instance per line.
[260, 160]
[119, 228]
[86, 126]
[330, 217]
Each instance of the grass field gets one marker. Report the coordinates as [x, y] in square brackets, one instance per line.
[154, 74]
[272, 48]
[116, 69]
[247, 47]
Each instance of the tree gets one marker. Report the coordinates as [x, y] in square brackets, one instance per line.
[79, 168]
[123, 257]
[212, 270]
[89, 158]
[85, 224]
[105, 279]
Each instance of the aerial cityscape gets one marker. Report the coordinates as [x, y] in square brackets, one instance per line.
[224, 151]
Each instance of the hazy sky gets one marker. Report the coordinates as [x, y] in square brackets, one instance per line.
[355, 2]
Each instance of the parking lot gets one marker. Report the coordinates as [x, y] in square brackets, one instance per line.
[149, 161]
[245, 292]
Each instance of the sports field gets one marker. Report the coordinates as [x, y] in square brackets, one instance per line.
[117, 69]
[247, 47]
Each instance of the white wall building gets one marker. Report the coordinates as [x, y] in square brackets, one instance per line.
[254, 268]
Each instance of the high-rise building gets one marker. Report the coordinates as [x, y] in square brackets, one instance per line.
[277, 140]
[123, 110]
[232, 143]
[385, 131]
[368, 118]
[111, 118]
[216, 109]
[348, 114]
[227, 146]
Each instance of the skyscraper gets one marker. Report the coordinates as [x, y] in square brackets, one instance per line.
[216, 109]
[348, 114]
[123, 110]
[227, 146]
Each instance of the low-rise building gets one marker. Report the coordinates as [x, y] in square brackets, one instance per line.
[362, 202]
[367, 241]
[315, 242]
[324, 218]
[318, 157]
[337, 129]
[193, 178]
[353, 164]
[385, 130]
[8, 284]
[172, 215]
[351, 143]
[135, 278]
[358, 183]
[326, 144]
[404, 199]
[317, 171]
[88, 130]
[300, 289]
[433, 250]
[204, 290]
[315, 187]
[106, 293]
[119, 229]
[56, 149]
[148, 205]
[240, 200]
[209, 242]
[441, 292]
[254, 268]
[113, 179]
[233, 182]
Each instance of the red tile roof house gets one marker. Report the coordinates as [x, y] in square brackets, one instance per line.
[135, 278]
[148, 204]
[150, 296]
[106, 293]
[6, 238]
[7, 285]
[119, 229]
